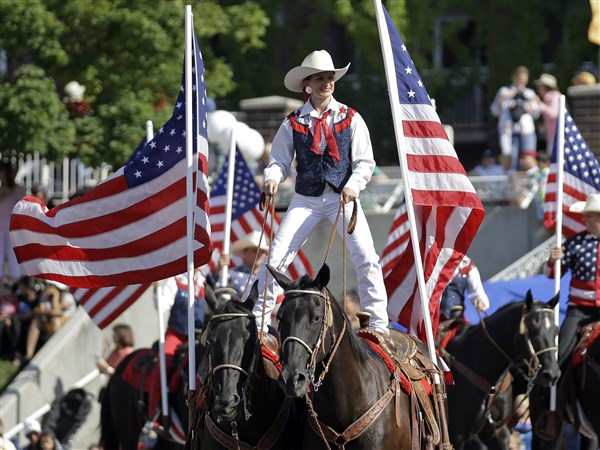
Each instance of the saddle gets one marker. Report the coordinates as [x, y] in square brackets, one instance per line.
[137, 370]
[416, 379]
[574, 377]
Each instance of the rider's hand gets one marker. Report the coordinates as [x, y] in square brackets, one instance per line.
[481, 304]
[224, 260]
[348, 195]
[270, 187]
[556, 253]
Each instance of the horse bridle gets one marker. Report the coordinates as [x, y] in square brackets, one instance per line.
[327, 324]
[248, 373]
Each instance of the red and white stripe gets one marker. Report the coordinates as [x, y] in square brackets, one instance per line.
[448, 213]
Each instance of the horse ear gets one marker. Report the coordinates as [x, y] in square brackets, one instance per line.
[252, 296]
[211, 299]
[283, 281]
[552, 303]
[528, 299]
[322, 277]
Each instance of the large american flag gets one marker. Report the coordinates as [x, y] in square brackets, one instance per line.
[447, 209]
[246, 215]
[131, 228]
[581, 178]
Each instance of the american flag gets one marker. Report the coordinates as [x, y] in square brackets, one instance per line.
[397, 240]
[447, 209]
[581, 178]
[131, 228]
[246, 215]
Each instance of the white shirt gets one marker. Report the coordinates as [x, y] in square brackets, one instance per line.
[282, 149]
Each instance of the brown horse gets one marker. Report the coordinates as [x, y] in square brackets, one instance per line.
[353, 400]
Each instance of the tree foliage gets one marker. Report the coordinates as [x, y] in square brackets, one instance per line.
[129, 56]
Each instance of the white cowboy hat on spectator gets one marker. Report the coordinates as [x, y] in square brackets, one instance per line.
[592, 204]
[547, 80]
[251, 240]
[31, 426]
[317, 61]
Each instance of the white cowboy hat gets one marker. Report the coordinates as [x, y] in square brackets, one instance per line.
[251, 240]
[592, 204]
[317, 61]
[547, 80]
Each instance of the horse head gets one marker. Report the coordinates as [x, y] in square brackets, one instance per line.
[231, 339]
[306, 329]
[539, 333]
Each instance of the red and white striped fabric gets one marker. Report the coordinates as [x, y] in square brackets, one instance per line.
[447, 209]
[246, 215]
[104, 305]
[397, 240]
[131, 228]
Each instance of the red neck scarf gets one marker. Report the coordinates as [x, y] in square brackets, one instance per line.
[321, 126]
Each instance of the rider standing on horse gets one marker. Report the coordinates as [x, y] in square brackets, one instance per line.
[580, 254]
[466, 281]
[332, 146]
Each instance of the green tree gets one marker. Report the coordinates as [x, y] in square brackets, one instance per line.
[129, 56]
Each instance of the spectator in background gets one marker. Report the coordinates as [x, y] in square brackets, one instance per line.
[10, 194]
[516, 108]
[48, 441]
[56, 305]
[583, 78]
[122, 338]
[32, 431]
[28, 291]
[547, 89]
[5, 443]
[488, 165]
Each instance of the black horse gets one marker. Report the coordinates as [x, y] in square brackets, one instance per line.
[352, 399]
[577, 398]
[519, 336]
[123, 406]
[244, 406]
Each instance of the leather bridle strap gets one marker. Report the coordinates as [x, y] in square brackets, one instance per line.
[266, 442]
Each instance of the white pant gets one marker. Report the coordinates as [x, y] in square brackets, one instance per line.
[302, 217]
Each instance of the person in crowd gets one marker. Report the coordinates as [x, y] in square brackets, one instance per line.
[10, 194]
[465, 282]
[579, 254]
[516, 108]
[56, 305]
[122, 338]
[549, 96]
[32, 431]
[583, 79]
[174, 290]
[335, 162]
[252, 251]
[5, 443]
[28, 291]
[48, 441]
[488, 165]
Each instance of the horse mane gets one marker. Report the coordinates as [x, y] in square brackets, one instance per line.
[233, 306]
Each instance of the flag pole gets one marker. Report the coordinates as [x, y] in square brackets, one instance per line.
[397, 119]
[158, 295]
[560, 169]
[229, 202]
[189, 145]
